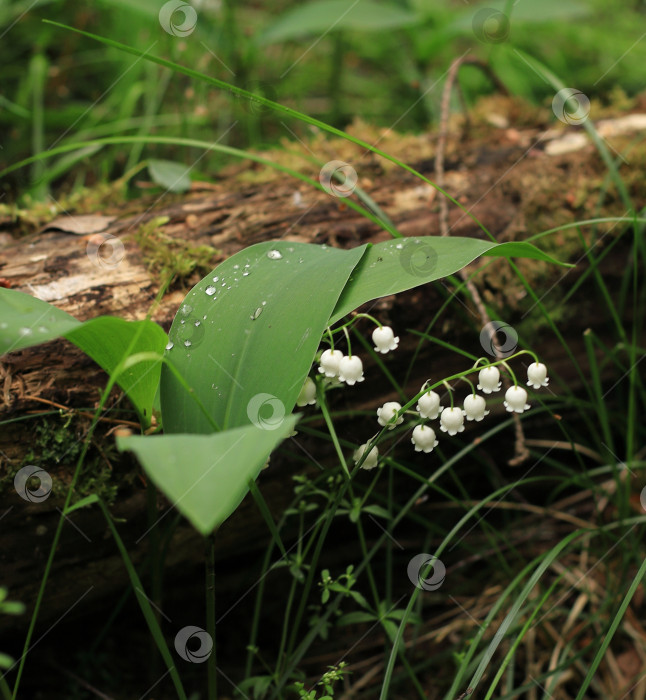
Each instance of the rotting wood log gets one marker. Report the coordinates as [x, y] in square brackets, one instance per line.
[504, 178]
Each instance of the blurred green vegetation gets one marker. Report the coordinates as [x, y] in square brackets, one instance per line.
[383, 62]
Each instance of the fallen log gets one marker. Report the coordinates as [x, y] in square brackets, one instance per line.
[504, 177]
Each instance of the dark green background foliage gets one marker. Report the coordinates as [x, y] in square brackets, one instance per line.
[382, 62]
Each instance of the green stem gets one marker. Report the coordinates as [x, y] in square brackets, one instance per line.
[211, 664]
[155, 570]
[383, 612]
[144, 604]
[59, 528]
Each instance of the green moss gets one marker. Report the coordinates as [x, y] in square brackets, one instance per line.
[169, 258]
[56, 447]
[34, 214]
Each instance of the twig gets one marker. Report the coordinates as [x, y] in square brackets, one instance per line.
[77, 412]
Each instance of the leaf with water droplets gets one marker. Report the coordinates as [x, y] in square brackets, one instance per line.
[253, 337]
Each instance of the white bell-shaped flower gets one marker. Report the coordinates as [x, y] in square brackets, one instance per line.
[489, 379]
[387, 413]
[429, 405]
[475, 407]
[423, 438]
[329, 363]
[307, 397]
[537, 375]
[516, 399]
[351, 370]
[452, 421]
[384, 339]
[372, 458]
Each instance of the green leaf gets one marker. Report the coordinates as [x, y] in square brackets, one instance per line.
[324, 16]
[245, 342]
[355, 511]
[106, 340]
[87, 501]
[206, 476]
[5, 661]
[13, 607]
[377, 510]
[396, 265]
[357, 617]
[257, 685]
[170, 175]
[27, 321]
[391, 630]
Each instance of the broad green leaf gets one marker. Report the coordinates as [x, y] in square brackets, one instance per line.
[206, 476]
[106, 340]
[396, 265]
[27, 321]
[324, 16]
[170, 175]
[245, 336]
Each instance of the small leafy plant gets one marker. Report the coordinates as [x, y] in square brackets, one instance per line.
[239, 352]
